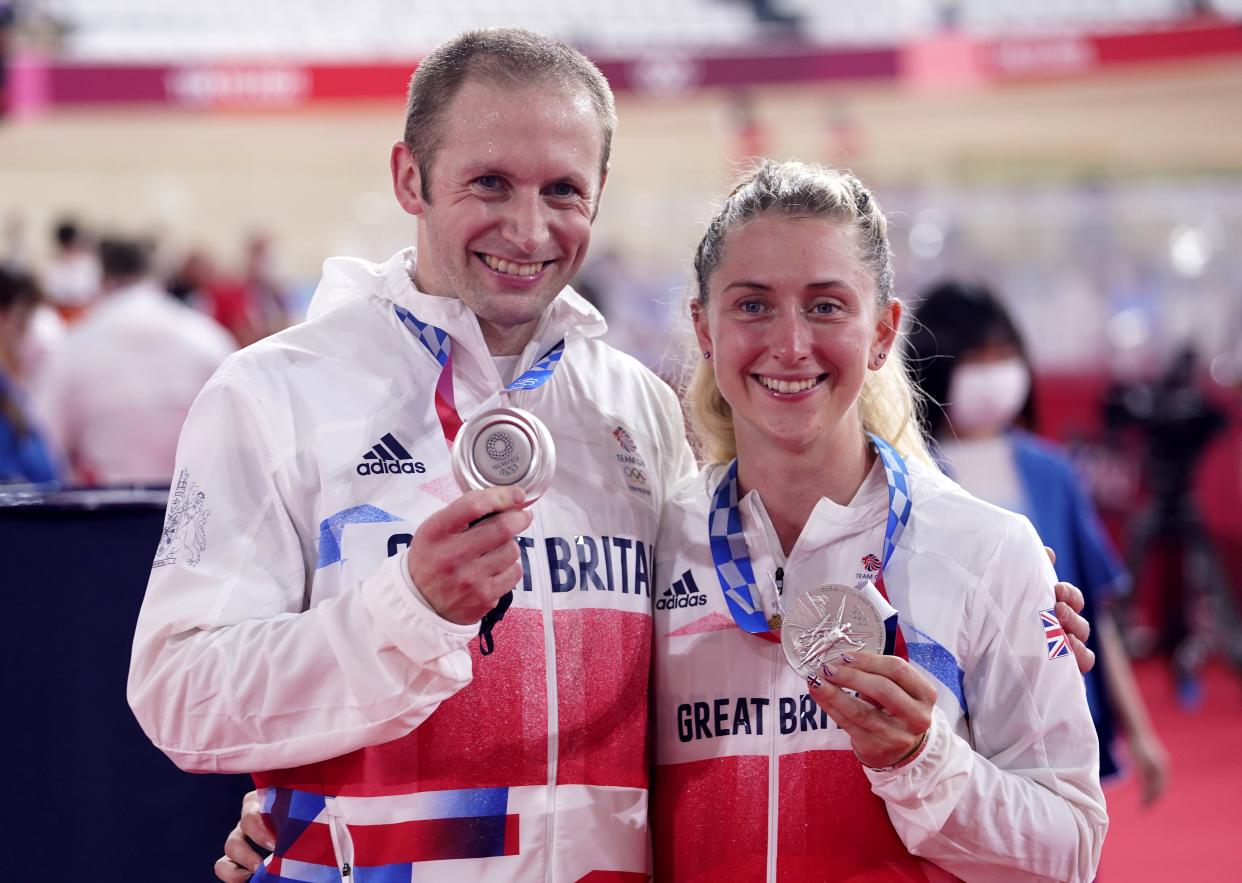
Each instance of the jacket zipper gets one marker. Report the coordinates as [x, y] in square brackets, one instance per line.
[774, 757]
[541, 582]
[549, 639]
[774, 761]
[342, 842]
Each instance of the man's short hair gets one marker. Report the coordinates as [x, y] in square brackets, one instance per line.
[123, 258]
[511, 57]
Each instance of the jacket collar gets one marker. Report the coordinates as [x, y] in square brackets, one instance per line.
[569, 314]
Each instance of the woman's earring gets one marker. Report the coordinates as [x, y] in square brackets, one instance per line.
[879, 360]
[707, 354]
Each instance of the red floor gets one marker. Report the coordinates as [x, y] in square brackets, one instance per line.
[1195, 830]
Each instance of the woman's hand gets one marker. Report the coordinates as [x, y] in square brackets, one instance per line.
[889, 719]
[240, 859]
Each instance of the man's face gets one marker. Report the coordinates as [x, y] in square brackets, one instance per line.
[507, 218]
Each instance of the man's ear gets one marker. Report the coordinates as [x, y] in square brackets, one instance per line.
[407, 182]
[599, 197]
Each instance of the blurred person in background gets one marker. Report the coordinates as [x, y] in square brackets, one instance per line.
[265, 292]
[115, 396]
[972, 364]
[24, 456]
[245, 304]
[46, 330]
[72, 276]
[1176, 421]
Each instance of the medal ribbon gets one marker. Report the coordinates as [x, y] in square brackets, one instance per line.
[732, 558]
[440, 345]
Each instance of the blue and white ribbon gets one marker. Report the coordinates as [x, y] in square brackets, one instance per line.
[732, 558]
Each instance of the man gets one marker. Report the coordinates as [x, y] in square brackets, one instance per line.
[72, 276]
[277, 633]
[116, 392]
[289, 644]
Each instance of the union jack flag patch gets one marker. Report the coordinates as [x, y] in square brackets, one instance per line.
[1054, 634]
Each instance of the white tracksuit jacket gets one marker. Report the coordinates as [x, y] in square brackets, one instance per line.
[280, 631]
[753, 782]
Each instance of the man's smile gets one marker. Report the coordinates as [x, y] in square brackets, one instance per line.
[511, 268]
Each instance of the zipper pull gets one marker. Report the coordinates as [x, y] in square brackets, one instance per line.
[780, 581]
[345, 869]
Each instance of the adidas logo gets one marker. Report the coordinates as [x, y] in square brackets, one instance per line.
[683, 593]
[389, 457]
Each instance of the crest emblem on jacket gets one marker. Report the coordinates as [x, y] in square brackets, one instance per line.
[185, 524]
[633, 467]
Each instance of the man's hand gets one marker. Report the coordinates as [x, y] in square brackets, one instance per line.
[1077, 629]
[464, 558]
[240, 860]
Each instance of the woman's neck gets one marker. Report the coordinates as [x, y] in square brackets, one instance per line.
[791, 483]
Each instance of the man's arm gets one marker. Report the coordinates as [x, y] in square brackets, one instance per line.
[230, 672]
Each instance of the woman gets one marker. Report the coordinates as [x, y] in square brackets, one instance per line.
[968, 751]
[24, 456]
[971, 363]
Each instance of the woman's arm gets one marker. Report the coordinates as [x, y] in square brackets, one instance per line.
[1023, 802]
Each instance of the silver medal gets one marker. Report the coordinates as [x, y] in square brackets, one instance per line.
[826, 622]
[502, 447]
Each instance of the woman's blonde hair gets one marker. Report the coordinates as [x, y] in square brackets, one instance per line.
[888, 400]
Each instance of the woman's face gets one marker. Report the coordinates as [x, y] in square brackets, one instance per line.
[792, 326]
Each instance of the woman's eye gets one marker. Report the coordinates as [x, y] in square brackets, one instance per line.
[750, 306]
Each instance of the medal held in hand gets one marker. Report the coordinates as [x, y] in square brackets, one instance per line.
[827, 622]
[822, 623]
[501, 446]
[504, 447]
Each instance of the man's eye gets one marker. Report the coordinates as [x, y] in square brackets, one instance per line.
[563, 190]
[825, 308]
[488, 182]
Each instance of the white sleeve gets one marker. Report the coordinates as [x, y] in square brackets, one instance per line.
[230, 672]
[1024, 803]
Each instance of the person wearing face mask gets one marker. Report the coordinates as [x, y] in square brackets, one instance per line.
[972, 364]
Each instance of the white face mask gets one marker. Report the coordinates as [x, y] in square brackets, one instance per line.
[984, 398]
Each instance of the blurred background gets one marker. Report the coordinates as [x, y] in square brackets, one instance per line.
[1084, 159]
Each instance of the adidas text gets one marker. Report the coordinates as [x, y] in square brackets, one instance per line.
[680, 601]
[390, 467]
